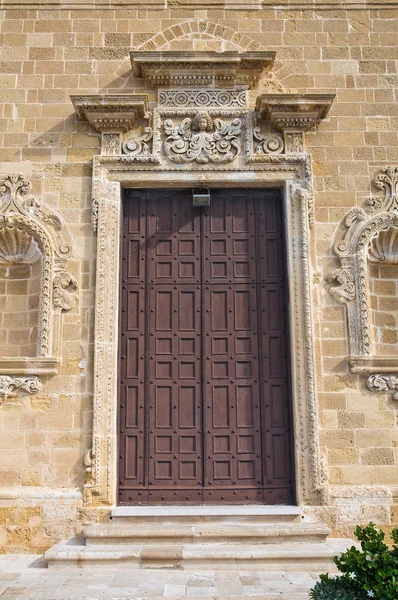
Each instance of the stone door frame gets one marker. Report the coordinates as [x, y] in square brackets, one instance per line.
[111, 174]
[197, 135]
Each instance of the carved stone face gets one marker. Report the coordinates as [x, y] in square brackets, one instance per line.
[202, 122]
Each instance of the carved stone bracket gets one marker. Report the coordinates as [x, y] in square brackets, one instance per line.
[294, 114]
[111, 115]
[9, 385]
[367, 236]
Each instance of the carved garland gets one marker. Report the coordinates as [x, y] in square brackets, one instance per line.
[367, 235]
[50, 242]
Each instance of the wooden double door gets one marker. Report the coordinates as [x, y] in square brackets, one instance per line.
[205, 406]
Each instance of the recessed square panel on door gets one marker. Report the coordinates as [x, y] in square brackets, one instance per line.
[174, 239]
[229, 238]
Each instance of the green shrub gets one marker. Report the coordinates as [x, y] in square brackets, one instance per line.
[371, 572]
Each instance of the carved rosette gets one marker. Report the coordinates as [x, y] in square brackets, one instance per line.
[9, 385]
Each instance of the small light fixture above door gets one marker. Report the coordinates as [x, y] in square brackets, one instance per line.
[201, 196]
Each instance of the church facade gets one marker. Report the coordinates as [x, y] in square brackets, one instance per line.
[198, 263]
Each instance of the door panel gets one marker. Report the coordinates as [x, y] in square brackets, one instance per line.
[204, 395]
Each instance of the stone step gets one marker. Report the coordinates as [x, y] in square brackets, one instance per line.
[206, 513]
[273, 557]
[229, 533]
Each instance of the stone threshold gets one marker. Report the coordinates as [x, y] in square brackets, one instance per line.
[205, 511]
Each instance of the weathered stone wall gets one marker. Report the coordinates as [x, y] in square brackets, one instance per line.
[19, 301]
[47, 55]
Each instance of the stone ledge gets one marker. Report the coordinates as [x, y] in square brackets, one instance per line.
[24, 365]
[224, 511]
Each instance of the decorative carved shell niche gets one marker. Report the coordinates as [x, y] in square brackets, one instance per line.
[35, 244]
[366, 244]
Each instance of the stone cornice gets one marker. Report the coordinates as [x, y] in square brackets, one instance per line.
[294, 111]
[111, 112]
[197, 69]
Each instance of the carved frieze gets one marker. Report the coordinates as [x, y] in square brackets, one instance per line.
[210, 98]
[202, 139]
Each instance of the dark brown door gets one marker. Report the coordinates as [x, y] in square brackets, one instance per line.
[204, 395]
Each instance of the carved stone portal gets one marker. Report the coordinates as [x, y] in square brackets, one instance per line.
[193, 136]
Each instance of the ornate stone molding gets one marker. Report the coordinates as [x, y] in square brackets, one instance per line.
[367, 236]
[267, 143]
[201, 69]
[30, 231]
[9, 385]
